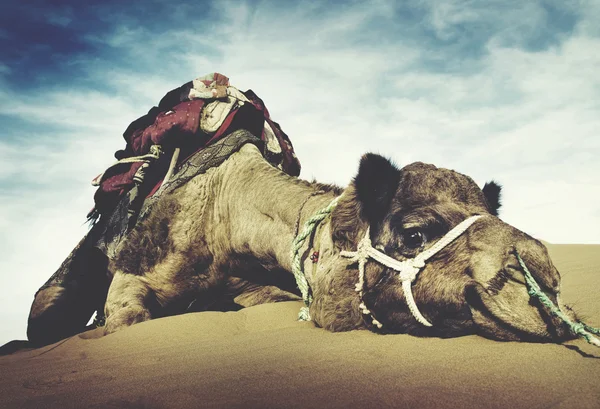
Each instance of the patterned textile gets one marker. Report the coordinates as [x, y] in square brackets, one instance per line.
[190, 117]
[114, 229]
[107, 233]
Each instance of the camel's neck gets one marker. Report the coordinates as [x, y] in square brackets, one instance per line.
[264, 207]
[260, 209]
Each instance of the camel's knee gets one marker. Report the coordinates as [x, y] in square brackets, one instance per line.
[45, 299]
[127, 302]
[65, 303]
[263, 295]
[125, 317]
[58, 312]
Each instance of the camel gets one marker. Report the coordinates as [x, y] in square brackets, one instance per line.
[227, 234]
[226, 237]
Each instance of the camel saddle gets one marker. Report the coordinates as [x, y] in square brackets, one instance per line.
[194, 127]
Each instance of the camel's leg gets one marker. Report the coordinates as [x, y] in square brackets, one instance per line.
[264, 294]
[64, 305]
[127, 302]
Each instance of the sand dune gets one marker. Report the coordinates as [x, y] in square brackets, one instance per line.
[261, 357]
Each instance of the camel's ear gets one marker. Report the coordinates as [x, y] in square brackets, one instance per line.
[376, 184]
[491, 191]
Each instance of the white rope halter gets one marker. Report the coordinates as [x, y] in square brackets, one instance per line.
[407, 269]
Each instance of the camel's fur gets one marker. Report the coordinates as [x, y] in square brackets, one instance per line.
[227, 234]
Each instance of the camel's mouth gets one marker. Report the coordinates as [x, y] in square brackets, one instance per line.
[513, 315]
[506, 312]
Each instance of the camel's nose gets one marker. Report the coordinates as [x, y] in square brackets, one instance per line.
[506, 294]
[497, 237]
[536, 260]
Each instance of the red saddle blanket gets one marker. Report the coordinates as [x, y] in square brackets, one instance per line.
[190, 118]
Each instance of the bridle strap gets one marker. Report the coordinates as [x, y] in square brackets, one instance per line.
[407, 269]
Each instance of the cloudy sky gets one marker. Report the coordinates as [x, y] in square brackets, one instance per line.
[504, 90]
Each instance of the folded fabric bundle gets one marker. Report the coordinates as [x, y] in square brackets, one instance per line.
[189, 118]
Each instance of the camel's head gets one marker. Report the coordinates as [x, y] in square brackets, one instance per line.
[474, 285]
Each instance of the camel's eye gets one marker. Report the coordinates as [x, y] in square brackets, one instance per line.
[413, 239]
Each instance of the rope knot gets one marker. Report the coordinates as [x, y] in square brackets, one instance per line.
[418, 262]
[156, 150]
[409, 272]
[362, 250]
[577, 328]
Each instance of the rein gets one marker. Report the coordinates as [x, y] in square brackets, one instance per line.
[579, 329]
[409, 269]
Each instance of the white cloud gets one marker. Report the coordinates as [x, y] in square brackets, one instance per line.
[4, 69]
[61, 17]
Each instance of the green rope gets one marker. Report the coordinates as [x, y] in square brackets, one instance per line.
[579, 329]
[298, 242]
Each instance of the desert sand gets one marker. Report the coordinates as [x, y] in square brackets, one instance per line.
[261, 357]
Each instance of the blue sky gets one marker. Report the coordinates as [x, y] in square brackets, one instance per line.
[504, 90]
